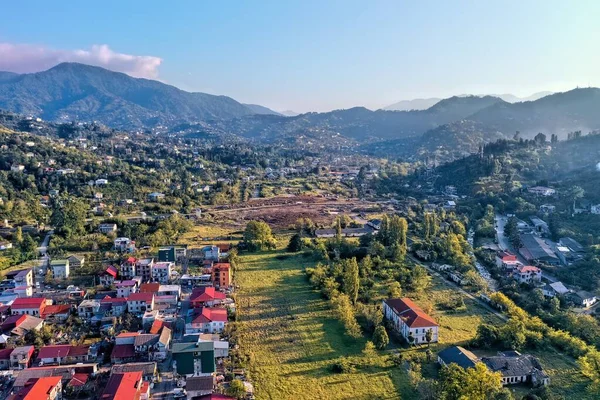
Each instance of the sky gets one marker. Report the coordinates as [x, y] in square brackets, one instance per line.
[316, 55]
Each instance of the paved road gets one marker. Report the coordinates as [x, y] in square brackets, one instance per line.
[43, 248]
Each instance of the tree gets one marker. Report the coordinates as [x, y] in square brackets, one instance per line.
[295, 244]
[429, 337]
[351, 282]
[369, 350]
[419, 279]
[236, 389]
[258, 236]
[590, 367]
[366, 266]
[29, 247]
[395, 290]
[18, 236]
[380, 337]
[411, 338]
[477, 383]
[575, 193]
[338, 229]
[343, 308]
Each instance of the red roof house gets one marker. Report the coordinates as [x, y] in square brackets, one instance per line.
[206, 296]
[410, 320]
[124, 386]
[29, 305]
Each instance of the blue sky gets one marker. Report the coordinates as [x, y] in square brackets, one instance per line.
[320, 55]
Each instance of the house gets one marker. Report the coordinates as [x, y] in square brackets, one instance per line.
[547, 208]
[535, 249]
[108, 276]
[161, 271]
[144, 268]
[46, 388]
[507, 261]
[56, 313]
[171, 253]
[101, 182]
[21, 277]
[60, 269]
[87, 308]
[540, 226]
[457, 355]
[123, 353]
[206, 296]
[212, 252]
[126, 288]
[541, 191]
[20, 358]
[17, 168]
[107, 228]
[20, 325]
[517, 368]
[169, 290]
[221, 346]
[151, 287]
[28, 306]
[194, 359]
[63, 354]
[584, 299]
[5, 358]
[527, 274]
[554, 289]
[221, 275]
[113, 306]
[126, 385]
[197, 386]
[375, 224]
[128, 269]
[5, 245]
[155, 196]
[207, 320]
[148, 369]
[76, 261]
[409, 320]
[139, 303]
[23, 291]
[124, 245]
[595, 209]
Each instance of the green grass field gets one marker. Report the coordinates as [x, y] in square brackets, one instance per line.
[293, 338]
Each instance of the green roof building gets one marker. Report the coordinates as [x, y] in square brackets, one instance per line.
[194, 359]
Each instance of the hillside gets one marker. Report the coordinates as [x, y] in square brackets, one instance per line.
[72, 91]
[560, 113]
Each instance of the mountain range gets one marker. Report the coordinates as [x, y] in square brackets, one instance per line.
[423, 104]
[454, 126]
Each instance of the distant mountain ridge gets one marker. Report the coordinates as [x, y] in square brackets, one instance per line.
[423, 104]
[72, 91]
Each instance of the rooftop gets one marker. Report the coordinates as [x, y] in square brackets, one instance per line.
[411, 313]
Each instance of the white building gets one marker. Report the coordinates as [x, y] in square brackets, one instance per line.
[60, 269]
[161, 272]
[408, 319]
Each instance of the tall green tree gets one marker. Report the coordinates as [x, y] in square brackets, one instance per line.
[380, 337]
[258, 236]
[351, 282]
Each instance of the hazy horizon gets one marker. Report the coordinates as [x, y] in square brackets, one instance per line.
[314, 56]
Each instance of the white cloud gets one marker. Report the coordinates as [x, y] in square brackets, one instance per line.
[25, 58]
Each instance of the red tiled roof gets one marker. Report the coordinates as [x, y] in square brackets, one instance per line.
[128, 334]
[412, 315]
[206, 314]
[62, 350]
[157, 325]
[12, 322]
[203, 294]
[39, 389]
[123, 351]
[126, 283]
[131, 260]
[528, 268]
[112, 271]
[223, 266]
[28, 302]
[78, 380]
[147, 297]
[149, 287]
[123, 386]
[224, 247]
[113, 300]
[56, 309]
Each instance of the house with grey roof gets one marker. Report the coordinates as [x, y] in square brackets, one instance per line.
[457, 355]
[535, 249]
[517, 368]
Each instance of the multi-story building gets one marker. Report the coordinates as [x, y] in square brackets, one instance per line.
[221, 274]
[410, 321]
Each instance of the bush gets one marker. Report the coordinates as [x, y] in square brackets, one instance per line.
[343, 366]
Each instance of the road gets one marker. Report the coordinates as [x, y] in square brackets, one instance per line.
[504, 244]
[43, 248]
